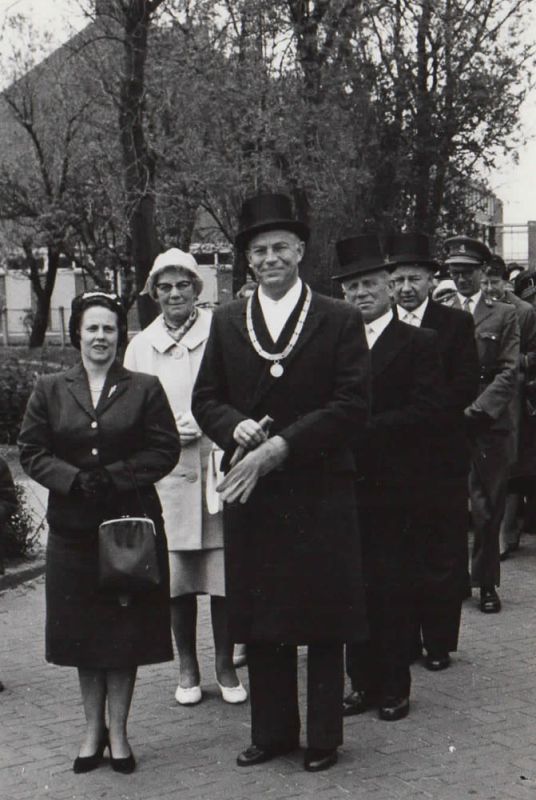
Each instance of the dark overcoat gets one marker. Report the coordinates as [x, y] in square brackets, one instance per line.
[459, 356]
[132, 433]
[293, 565]
[394, 452]
[444, 556]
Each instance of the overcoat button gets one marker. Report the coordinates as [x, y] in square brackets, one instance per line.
[93, 424]
[94, 452]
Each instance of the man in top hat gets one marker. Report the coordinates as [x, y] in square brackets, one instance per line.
[443, 555]
[490, 418]
[495, 282]
[299, 361]
[394, 459]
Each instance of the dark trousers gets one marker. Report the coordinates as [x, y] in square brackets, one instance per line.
[492, 457]
[273, 686]
[380, 665]
[442, 558]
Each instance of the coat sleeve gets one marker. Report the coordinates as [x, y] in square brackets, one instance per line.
[36, 445]
[159, 443]
[427, 387]
[214, 415]
[498, 394]
[325, 429]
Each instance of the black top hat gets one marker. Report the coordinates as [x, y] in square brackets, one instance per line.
[464, 250]
[359, 254]
[267, 212]
[411, 248]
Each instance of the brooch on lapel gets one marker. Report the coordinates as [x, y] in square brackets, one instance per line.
[112, 390]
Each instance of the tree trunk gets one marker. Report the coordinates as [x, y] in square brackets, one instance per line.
[138, 161]
[42, 293]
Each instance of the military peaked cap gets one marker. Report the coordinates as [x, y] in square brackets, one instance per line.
[464, 250]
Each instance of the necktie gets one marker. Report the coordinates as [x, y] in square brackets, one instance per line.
[467, 304]
[411, 319]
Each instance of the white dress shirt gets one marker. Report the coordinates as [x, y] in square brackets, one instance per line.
[277, 312]
[469, 303]
[373, 330]
[412, 317]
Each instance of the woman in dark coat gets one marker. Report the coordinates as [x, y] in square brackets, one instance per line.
[98, 437]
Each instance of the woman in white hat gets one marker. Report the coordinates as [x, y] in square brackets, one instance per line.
[171, 347]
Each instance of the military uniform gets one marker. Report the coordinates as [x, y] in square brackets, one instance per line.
[490, 417]
[494, 449]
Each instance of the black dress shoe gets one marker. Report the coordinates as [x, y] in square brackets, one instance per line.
[357, 702]
[123, 765]
[83, 764]
[435, 662]
[490, 602]
[258, 755]
[316, 760]
[394, 709]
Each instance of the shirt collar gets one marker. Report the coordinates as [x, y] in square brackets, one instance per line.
[379, 325]
[417, 312]
[474, 298]
[288, 299]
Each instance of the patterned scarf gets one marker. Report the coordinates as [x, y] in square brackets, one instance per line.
[177, 333]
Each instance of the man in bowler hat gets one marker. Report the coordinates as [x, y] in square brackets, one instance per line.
[443, 555]
[490, 417]
[297, 362]
[394, 458]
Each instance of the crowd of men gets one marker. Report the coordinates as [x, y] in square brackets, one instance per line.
[394, 416]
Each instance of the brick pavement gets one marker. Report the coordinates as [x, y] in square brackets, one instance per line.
[471, 732]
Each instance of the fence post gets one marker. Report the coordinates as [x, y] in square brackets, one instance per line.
[62, 326]
[5, 327]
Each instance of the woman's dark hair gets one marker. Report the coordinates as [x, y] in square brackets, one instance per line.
[88, 299]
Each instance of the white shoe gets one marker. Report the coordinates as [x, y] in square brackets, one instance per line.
[188, 697]
[233, 694]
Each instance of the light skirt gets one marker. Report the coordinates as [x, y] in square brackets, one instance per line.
[197, 572]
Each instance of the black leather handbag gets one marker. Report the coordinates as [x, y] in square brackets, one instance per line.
[127, 555]
[128, 560]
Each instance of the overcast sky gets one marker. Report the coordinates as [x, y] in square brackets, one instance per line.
[514, 184]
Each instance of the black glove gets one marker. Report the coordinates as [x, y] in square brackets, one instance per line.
[477, 422]
[93, 483]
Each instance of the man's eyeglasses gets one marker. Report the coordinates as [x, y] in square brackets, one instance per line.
[181, 286]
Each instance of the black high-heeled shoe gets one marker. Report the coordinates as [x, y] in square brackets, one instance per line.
[88, 763]
[123, 765]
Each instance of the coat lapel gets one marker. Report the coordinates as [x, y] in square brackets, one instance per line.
[388, 345]
[78, 385]
[482, 311]
[314, 319]
[116, 384]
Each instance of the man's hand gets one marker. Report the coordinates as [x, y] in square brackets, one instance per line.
[477, 422]
[249, 434]
[188, 429]
[239, 483]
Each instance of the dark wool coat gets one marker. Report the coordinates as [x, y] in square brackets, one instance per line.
[132, 432]
[293, 565]
[457, 347]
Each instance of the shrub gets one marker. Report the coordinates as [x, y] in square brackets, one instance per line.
[17, 380]
[21, 532]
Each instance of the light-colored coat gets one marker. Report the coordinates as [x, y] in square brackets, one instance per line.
[182, 491]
